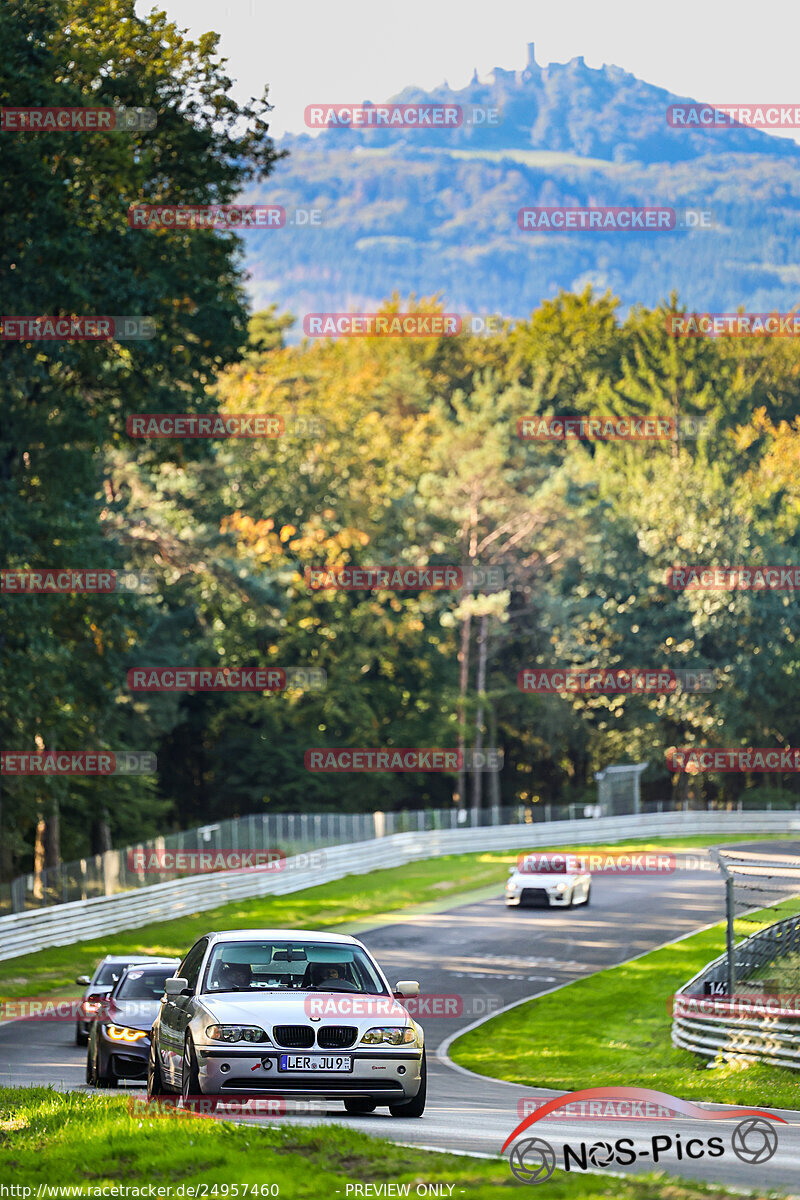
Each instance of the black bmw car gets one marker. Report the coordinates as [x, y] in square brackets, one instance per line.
[119, 1040]
[106, 974]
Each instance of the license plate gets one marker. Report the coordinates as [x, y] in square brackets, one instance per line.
[324, 1063]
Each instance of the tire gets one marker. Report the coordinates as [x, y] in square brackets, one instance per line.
[415, 1107]
[357, 1107]
[155, 1081]
[81, 1039]
[190, 1078]
[89, 1070]
[106, 1080]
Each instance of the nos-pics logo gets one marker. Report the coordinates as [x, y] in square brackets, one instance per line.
[533, 1159]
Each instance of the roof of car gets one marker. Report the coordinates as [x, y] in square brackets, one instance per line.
[130, 959]
[280, 935]
[154, 962]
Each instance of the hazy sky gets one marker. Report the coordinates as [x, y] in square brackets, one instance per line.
[312, 51]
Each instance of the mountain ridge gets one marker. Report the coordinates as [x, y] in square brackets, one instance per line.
[543, 108]
[434, 211]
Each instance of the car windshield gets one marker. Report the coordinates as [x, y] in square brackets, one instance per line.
[291, 966]
[542, 868]
[109, 974]
[141, 984]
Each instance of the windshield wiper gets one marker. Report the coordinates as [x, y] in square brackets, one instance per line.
[316, 987]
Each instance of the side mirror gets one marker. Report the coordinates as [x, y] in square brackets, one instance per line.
[84, 980]
[176, 986]
[511, 870]
[406, 987]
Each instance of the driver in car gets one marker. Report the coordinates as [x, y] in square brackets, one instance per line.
[318, 975]
[234, 976]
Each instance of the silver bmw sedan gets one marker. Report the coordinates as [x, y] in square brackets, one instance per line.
[271, 1012]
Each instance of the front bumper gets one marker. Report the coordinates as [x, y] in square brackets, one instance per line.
[537, 897]
[392, 1076]
[128, 1060]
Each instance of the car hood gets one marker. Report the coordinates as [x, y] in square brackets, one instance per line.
[135, 1014]
[304, 1008]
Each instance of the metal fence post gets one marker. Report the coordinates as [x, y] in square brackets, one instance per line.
[730, 913]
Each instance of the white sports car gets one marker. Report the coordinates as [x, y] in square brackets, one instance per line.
[531, 884]
[263, 1012]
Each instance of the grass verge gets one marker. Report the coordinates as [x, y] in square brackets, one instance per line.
[613, 1027]
[86, 1142]
[354, 898]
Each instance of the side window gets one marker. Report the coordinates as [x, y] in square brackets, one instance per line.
[190, 967]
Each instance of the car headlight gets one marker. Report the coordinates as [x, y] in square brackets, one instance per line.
[394, 1035]
[236, 1033]
[510, 886]
[561, 887]
[121, 1033]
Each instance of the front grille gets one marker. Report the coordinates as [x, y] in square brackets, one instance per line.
[336, 1037]
[534, 896]
[128, 1067]
[321, 1084]
[296, 1037]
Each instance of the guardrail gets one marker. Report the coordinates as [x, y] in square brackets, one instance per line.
[718, 1027]
[63, 924]
[289, 833]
